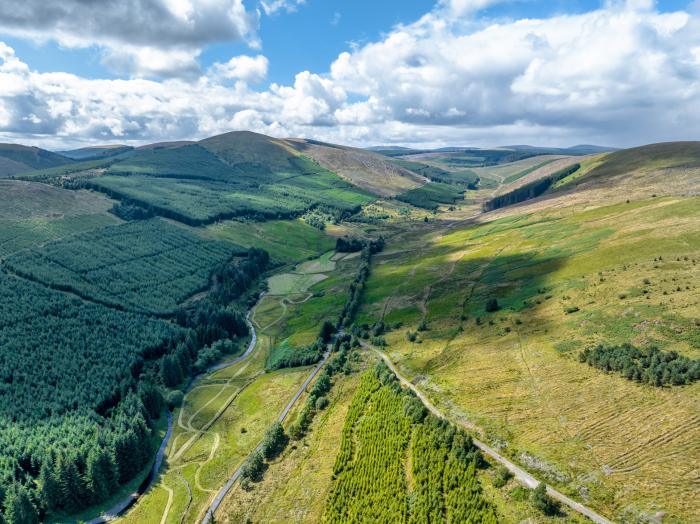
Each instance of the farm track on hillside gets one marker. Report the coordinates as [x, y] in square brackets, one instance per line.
[520, 474]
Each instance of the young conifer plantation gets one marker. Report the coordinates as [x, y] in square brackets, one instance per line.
[384, 424]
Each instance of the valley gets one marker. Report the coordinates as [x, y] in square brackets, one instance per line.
[414, 341]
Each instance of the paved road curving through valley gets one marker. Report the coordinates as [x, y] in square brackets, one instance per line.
[125, 504]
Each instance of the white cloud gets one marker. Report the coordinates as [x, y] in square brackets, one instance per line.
[620, 75]
[138, 37]
[247, 68]
[272, 6]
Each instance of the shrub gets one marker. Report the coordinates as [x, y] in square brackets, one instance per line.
[503, 475]
[492, 305]
[274, 442]
[544, 502]
[321, 403]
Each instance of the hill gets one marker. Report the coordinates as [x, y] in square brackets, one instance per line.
[237, 174]
[93, 152]
[365, 169]
[15, 158]
[497, 310]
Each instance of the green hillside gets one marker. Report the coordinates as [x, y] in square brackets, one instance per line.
[88, 153]
[15, 159]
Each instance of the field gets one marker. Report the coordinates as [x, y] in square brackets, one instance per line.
[508, 173]
[280, 497]
[292, 314]
[221, 421]
[147, 266]
[432, 195]
[31, 214]
[285, 240]
[565, 278]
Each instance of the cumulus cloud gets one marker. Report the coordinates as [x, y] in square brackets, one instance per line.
[620, 75]
[139, 37]
[247, 68]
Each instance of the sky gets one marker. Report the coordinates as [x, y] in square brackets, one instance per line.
[421, 73]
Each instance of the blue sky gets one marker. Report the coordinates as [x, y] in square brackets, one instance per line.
[416, 72]
[308, 38]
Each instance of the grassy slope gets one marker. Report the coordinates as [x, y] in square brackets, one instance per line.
[285, 240]
[362, 168]
[32, 214]
[611, 442]
[33, 157]
[296, 485]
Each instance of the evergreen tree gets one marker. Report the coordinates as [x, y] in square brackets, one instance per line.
[274, 442]
[100, 474]
[544, 502]
[127, 455]
[70, 485]
[49, 489]
[170, 372]
[18, 507]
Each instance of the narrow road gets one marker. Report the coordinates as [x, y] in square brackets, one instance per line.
[523, 476]
[120, 507]
[237, 474]
[123, 505]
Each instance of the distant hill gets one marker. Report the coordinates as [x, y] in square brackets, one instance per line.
[365, 169]
[581, 149]
[243, 148]
[93, 152]
[15, 159]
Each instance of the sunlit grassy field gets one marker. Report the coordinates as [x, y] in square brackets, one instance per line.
[296, 485]
[565, 278]
[285, 240]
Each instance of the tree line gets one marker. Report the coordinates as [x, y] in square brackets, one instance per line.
[649, 365]
[529, 190]
[75, 445]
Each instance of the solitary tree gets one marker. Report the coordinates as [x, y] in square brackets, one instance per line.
[544, 502]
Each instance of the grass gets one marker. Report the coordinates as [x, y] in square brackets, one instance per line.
[226, 414]
[293, 283]
[285, 240]
[322, 264]
[608, 442]
[219, 424]
[283, 496]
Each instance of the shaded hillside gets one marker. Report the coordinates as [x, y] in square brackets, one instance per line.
[15, 158]
[238, 174]
[362, 168]
[671, 168]
[89, 153]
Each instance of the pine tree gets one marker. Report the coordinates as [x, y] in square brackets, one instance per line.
[100, 474]
[170, 371]
[49, 490]
[70, 484]
[18, 507]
